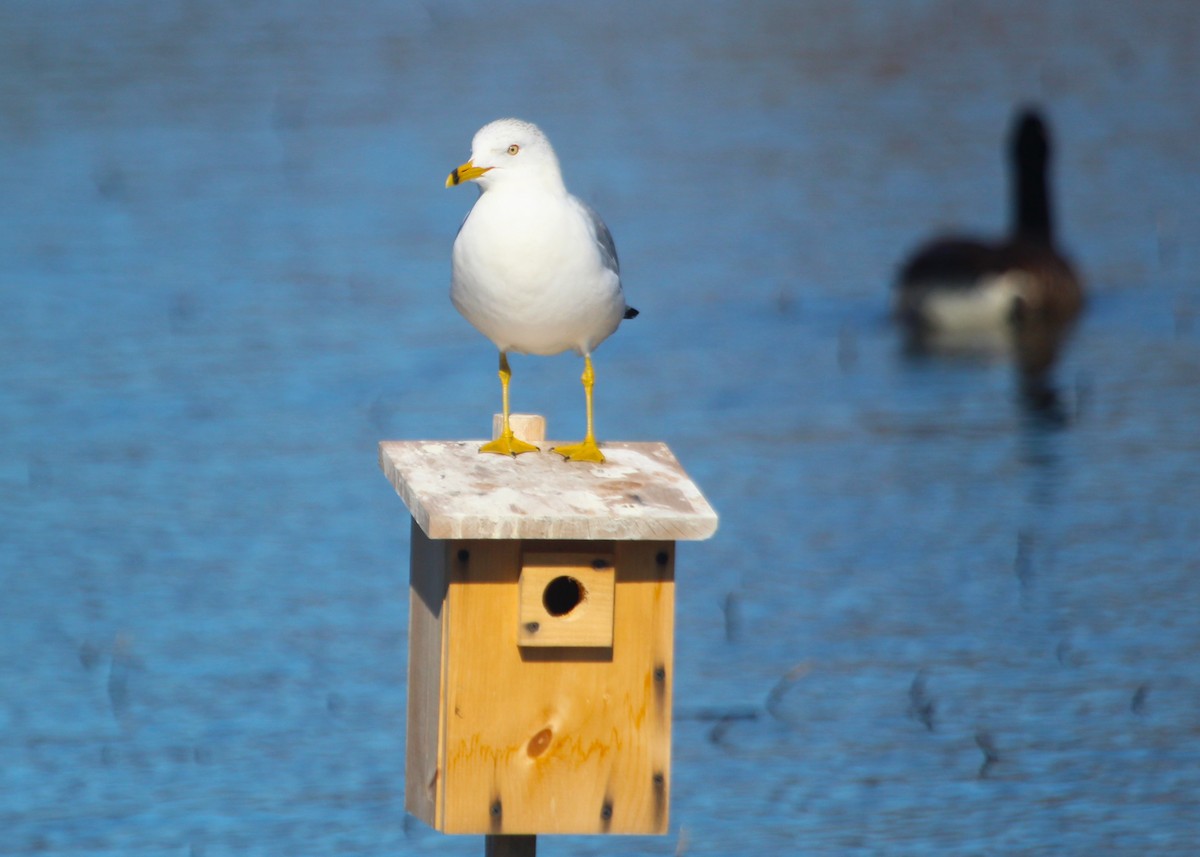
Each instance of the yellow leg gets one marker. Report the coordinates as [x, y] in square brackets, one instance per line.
[507, 443]
[588, 450]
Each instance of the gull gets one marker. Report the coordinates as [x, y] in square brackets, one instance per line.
[533, 268]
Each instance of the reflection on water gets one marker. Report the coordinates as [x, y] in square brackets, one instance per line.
[931, 623]
[1032, 346]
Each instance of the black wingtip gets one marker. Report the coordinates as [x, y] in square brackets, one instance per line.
[630, 312]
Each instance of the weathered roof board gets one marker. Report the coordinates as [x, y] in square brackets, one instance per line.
[454, 492]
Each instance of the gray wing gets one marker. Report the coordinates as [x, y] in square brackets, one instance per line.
[604, 239]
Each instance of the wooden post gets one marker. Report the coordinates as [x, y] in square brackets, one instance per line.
[541, 636]
[510, 846]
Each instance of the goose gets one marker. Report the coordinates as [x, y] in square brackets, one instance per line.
[961, 285]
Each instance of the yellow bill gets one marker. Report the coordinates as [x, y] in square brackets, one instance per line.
[465, 173]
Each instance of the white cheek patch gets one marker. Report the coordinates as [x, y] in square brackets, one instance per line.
[987, 304]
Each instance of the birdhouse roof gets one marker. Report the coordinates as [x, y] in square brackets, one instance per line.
[453, 492]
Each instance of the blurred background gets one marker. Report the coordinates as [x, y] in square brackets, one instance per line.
[932, 622]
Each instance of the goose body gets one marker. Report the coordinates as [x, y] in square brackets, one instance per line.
[961, 284]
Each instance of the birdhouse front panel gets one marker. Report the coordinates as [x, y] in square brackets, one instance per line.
[570, 737]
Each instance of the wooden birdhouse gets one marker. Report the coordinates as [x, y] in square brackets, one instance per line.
[541, 633]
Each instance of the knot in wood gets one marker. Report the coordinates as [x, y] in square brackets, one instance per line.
[539, 742]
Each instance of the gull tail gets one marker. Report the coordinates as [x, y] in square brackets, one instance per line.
[630, 312]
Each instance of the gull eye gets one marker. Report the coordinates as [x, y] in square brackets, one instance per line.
[513, 149]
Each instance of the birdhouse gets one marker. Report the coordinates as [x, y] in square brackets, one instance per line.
[541, 632]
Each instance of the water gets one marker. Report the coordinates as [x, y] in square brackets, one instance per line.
[932, 622]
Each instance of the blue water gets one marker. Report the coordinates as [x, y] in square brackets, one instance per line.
[931, 622]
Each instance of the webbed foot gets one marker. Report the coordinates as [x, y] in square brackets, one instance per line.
[587, 450]
[508, 444]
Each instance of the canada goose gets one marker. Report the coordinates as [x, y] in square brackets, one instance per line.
[961, 285]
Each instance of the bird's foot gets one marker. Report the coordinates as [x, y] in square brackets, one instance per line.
[587, 450]
[508, 444]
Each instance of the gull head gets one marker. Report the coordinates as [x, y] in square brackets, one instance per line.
[509, 151]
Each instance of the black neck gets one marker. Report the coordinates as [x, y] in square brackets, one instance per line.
[1031, 207]
[1030, 154]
